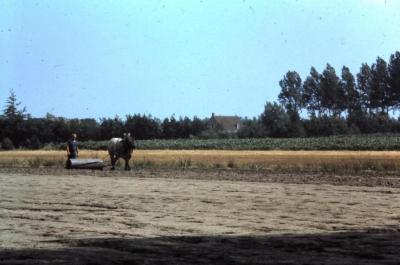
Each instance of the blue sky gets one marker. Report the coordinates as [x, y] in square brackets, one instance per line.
[106, 58]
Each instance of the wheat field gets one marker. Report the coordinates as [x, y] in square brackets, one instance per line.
[274, 160]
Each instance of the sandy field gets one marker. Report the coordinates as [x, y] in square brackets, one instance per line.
[190, 217]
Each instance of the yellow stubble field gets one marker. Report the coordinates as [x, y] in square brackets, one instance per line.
[219, 158]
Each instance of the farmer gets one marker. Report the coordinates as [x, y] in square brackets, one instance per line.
[72, 147]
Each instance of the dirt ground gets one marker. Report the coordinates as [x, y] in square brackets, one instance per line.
[55, 216]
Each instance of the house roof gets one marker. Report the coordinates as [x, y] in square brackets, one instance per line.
[226, 122]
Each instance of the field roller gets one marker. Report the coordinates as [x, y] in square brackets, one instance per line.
[88, 163]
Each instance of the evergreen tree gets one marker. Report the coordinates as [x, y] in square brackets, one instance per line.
[198, 126]
[14, 121]
[11, 110]
[111, 128]
[142, 126]
[169, 128]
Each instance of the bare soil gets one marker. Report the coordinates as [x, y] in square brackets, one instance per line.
[55, 216]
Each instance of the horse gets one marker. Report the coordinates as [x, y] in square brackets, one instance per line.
[121, 148]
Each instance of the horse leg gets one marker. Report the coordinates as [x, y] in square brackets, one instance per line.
[127, 167]
[112, 162]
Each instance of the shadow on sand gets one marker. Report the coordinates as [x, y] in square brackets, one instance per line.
[366, 247]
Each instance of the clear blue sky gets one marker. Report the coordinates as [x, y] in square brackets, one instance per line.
[106, 58]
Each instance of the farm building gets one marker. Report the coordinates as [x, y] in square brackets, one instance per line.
[228, 124]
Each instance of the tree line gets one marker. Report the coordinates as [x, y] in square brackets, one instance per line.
[20, 129]
[322, 104]
[337, 104]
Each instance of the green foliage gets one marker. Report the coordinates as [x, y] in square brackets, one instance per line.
[142, 126]
[378, 94]
[275, 120]
[348, 142]
[364, 80]
[394, 79]
[7, 144]
[171, 128]
[291, 91]
[33, 143]
[352, 96]
[311, 96]
[251, 128]
[332, 94]
[11, 110]
[325, 126]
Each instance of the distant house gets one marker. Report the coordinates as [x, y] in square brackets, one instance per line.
[228, 124]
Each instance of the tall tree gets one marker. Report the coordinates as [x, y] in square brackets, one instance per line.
[312, 92]
[352, 96]
[169, 128]
[291, 92]
[14, 122]
[142, 126]
[379, 97]
[332, 94]
[111, 127]
[198, 126]
[12, 111]
[394, 79]
[364, 83]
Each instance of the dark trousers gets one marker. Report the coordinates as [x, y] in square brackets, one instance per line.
[72, 156]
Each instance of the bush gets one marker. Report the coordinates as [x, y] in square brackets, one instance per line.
[33, 143]
[326, 126]
[7, 144]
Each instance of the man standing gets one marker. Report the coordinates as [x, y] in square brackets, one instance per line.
[72, 147]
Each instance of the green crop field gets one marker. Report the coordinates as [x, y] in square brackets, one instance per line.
[389, 142]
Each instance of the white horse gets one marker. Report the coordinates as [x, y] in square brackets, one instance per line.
[121, 148]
